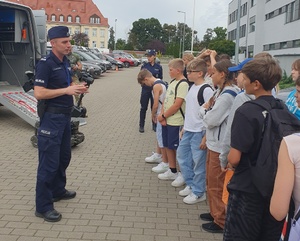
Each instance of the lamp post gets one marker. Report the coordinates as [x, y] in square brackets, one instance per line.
[115, 45]
[192, 43]
[183, 49]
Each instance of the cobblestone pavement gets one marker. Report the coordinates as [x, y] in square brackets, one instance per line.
[118, 197]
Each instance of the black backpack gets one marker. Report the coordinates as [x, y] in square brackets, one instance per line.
[278, 122]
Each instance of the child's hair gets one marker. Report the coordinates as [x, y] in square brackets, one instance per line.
[177, 64]
[296, 65]
[197, 65]
[207, 59]
[188, 56]
[224, 56]
[297, 82]
[222, 66]
[263, 55]
[267, 71]
[144, 73]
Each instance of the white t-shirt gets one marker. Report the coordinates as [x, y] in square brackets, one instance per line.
[193, 122]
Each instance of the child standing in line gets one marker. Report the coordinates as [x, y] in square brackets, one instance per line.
[215, 114]
[291, 100]
[248, 216]
[241, 98]
[145, 77]
[171, 119]
[191, 153]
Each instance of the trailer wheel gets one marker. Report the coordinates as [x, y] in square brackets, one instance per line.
[34, 141]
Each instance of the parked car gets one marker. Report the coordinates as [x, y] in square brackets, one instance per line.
[87, 58]
[107, 63]
[113, 61]
[127, 62]
[144, 60]
[92, 69]
[136, 61]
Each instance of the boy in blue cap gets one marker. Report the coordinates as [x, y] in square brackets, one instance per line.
[53, 90]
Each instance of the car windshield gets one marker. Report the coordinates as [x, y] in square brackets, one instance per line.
[93, 55]
[109, 57]
[84, 55]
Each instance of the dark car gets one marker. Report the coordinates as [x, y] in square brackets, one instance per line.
[92, 69]
[87, 58]
[113, 61]
[94, 56]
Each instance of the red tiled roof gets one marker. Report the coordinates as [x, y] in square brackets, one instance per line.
[82, 8]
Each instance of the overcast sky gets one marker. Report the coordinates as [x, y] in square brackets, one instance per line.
[208, 13]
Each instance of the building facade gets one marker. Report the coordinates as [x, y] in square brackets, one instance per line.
[266, 25]
[80, 16]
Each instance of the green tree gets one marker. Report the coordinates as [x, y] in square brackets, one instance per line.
[223, 46]
[121, 43]
[111, 40]
[144, 31]
[81, 39]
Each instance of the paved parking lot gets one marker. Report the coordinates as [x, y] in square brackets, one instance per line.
[118, 197]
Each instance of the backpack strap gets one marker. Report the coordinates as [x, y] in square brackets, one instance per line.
[231, 92]
[159, 81]
[176, 87]
[200, 93]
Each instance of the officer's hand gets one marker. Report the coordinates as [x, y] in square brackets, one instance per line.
[76, 89]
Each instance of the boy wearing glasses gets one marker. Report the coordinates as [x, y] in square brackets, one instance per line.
[191, 153]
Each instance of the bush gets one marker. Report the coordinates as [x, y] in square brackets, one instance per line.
[286, 81]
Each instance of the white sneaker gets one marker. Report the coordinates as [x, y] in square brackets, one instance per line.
[185, 192]
[161, 167]
[168, 175]
[179, 181]
[155, 158]
[192, 198]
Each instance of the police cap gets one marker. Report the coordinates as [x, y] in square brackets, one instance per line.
[58, 32]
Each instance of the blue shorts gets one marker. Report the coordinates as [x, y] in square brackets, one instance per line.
[170, 135]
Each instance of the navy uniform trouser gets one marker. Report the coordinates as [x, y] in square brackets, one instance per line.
[54, 144]
[144, 100]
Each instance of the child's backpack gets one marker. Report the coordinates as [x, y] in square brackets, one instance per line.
[200, 93]
[279, 122]
[162, 82]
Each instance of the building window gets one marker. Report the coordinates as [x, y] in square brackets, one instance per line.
[243, 31]
[296, 43]
[293, 11]
[70, 31]
[53, 18]
[77, 19]
[94, 44]
[69, 19]
[272, 46]
[102, 33]
[101, 44]
[94, 32]
[86, 31]
[232, 35]
[243, 10]
[77, 31]
[283, 45]
[61, 18]
[94, 19]
[252, 24]
[253, 2]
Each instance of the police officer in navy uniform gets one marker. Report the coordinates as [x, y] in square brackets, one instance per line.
[53, 85]
[146, 93]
